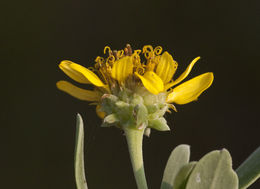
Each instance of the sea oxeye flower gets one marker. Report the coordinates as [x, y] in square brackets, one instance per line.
[132, 91]
[135, 91]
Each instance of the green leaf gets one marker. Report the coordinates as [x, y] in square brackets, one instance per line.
[213, 171]
[183, 175]
[178, 158]
[249, 171]
[79, 155]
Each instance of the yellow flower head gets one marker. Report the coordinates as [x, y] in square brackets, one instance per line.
[134, 87]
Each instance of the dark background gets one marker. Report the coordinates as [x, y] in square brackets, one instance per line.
[38, 121]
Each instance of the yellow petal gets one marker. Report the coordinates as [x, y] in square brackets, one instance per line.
[122, 68]
[183, 75]
[166, 67]
[78, 93]
[89, 75]
[152, 82]
[99, 112]
[77, 76]
[190, 90]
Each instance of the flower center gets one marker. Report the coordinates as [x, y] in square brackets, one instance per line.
[103, 66]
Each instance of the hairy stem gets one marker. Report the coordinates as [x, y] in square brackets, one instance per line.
[134, 139]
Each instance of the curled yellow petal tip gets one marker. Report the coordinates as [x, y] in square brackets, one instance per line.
[190, 90]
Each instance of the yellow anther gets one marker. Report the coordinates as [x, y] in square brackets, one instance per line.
[147, 55]
[107, 48]
[147, 48]
[138, 51]
[157, 50]
[97, 65]
[148, 51]
[120, 53]
[99, 59]
[103, 74]
[136, 57]
[111, 59]
[108, 66]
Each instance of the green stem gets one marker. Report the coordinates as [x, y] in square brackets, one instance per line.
[134, 139]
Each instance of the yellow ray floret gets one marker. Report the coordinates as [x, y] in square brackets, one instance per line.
[152, 82]
[78, 93]
[77, 76]
[190, 90]
[166, 67]
[122, 68]
[92, 77]
[183, 75]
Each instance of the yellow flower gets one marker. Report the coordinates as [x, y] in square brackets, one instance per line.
[127, 70]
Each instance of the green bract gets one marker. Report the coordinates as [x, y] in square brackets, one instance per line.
[139, 109]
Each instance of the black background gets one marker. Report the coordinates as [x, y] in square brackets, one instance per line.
[38, 121]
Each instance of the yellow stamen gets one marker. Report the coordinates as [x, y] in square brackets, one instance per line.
[107, 48]
[138, 51]
[120, 54]
[158, 50]
[148, 51]
[111, 59]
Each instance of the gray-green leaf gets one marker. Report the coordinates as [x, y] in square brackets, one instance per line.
[249, 171]
[213, 171]
[178, 158]
[79, 155]
[183, 175]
